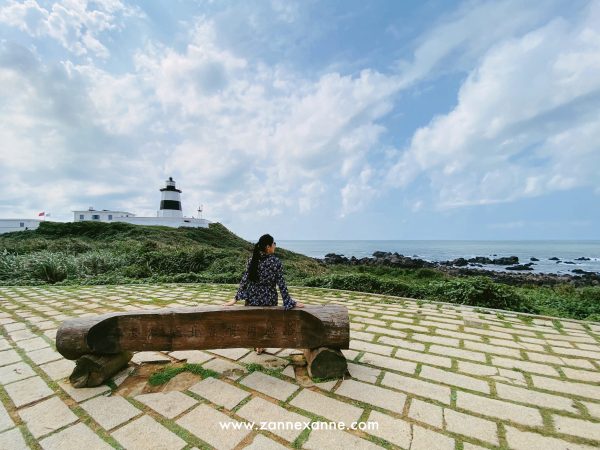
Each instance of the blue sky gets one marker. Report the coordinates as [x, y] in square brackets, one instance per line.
[308, 119]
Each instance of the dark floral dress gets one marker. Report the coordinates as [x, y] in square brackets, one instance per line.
[264, 292]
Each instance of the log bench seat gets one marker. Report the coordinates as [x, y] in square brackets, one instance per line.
[103, 345]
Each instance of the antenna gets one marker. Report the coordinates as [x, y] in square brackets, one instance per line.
[200, 211]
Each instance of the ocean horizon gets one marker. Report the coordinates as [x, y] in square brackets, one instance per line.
[567, 251]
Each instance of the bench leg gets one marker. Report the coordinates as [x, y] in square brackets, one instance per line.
[325, 362]
[93, 370]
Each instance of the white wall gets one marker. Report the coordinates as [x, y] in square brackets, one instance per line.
[9, 225]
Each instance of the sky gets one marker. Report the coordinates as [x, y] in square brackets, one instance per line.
[331, 119]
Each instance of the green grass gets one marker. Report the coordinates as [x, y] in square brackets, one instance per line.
[93, 253]
[165, 374]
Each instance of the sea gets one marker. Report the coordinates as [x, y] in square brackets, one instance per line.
[566, 251]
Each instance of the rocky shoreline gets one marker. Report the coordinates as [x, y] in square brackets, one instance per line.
[514, 273]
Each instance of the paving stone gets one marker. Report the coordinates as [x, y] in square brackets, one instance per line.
[469, 446]
[426, 412]
[435, 339]
[289, 371]
[402, 343]
[525, 440]
[192, 356]
[265, 360]
[5, 421]
[21, 335]
[363, 336]
[150, 357]
[500, 409]
[567, 387]
[393, 430]
[259, 410]
[231, 353]
[33, 344]
[320, 439]
[9, 357]
[458, 353]
[424, 439]
[363, 373]
[475, 427]
[110, 412]
[424, 358]
[577, 427]
[169, 404]
[532, 397]
[417, 387]
[120, 377]
[58, 370]
[82, 394]
[327, 407]
[219, 392]
[382, 330]
[389, 363]
[15, 372]
[593, 408]
[494, 349]
[229, 369]
[371, 348]
[146, 433]
[4, 345]
[13, 440]
[454, 379]
[582, 375]
[371, 394]
[47, 416]
[44, 355]
[261, 442]
[527, 366]
[28, 391]
[268, 385]
[76, 437]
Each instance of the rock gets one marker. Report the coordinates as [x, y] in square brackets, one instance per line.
[583, 258]
[521, 267]
[506, 260]
[568, 262]
[481, 260]
[379, 254]
[332, 258]
[582, 272]
[533, 259]
[554, 258]
[460, 262]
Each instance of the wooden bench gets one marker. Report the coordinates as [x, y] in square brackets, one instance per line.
[102, 345]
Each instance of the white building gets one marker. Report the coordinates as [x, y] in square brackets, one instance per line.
[9, 225]
[169, 214]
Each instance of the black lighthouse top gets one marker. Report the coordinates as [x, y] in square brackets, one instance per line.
[170, 186]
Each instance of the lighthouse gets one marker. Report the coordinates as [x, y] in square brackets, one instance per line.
[170, 200]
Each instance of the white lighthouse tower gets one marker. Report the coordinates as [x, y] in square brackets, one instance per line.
[170, 200]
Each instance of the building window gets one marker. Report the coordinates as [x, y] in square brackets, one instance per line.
[110, 217]
[22, 224]
[95, 217]
[81, 216]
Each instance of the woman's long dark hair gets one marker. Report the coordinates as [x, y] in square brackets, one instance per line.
[264, 241]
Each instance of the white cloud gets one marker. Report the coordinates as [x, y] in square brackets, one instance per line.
[75, 24]
[525, 124]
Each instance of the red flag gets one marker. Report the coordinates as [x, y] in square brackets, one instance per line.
[42, 214]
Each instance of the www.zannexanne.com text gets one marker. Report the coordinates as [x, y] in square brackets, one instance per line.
[274, 426]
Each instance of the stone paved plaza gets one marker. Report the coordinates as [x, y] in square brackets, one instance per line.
[431, 376]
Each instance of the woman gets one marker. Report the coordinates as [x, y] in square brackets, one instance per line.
[263, 273]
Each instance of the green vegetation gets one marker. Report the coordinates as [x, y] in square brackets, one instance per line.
[165, 374]
[119, 253]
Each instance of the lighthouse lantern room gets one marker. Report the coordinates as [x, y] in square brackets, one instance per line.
[170, 201]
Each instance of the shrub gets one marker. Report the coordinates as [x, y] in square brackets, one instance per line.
[478, 291]
[50, 267]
